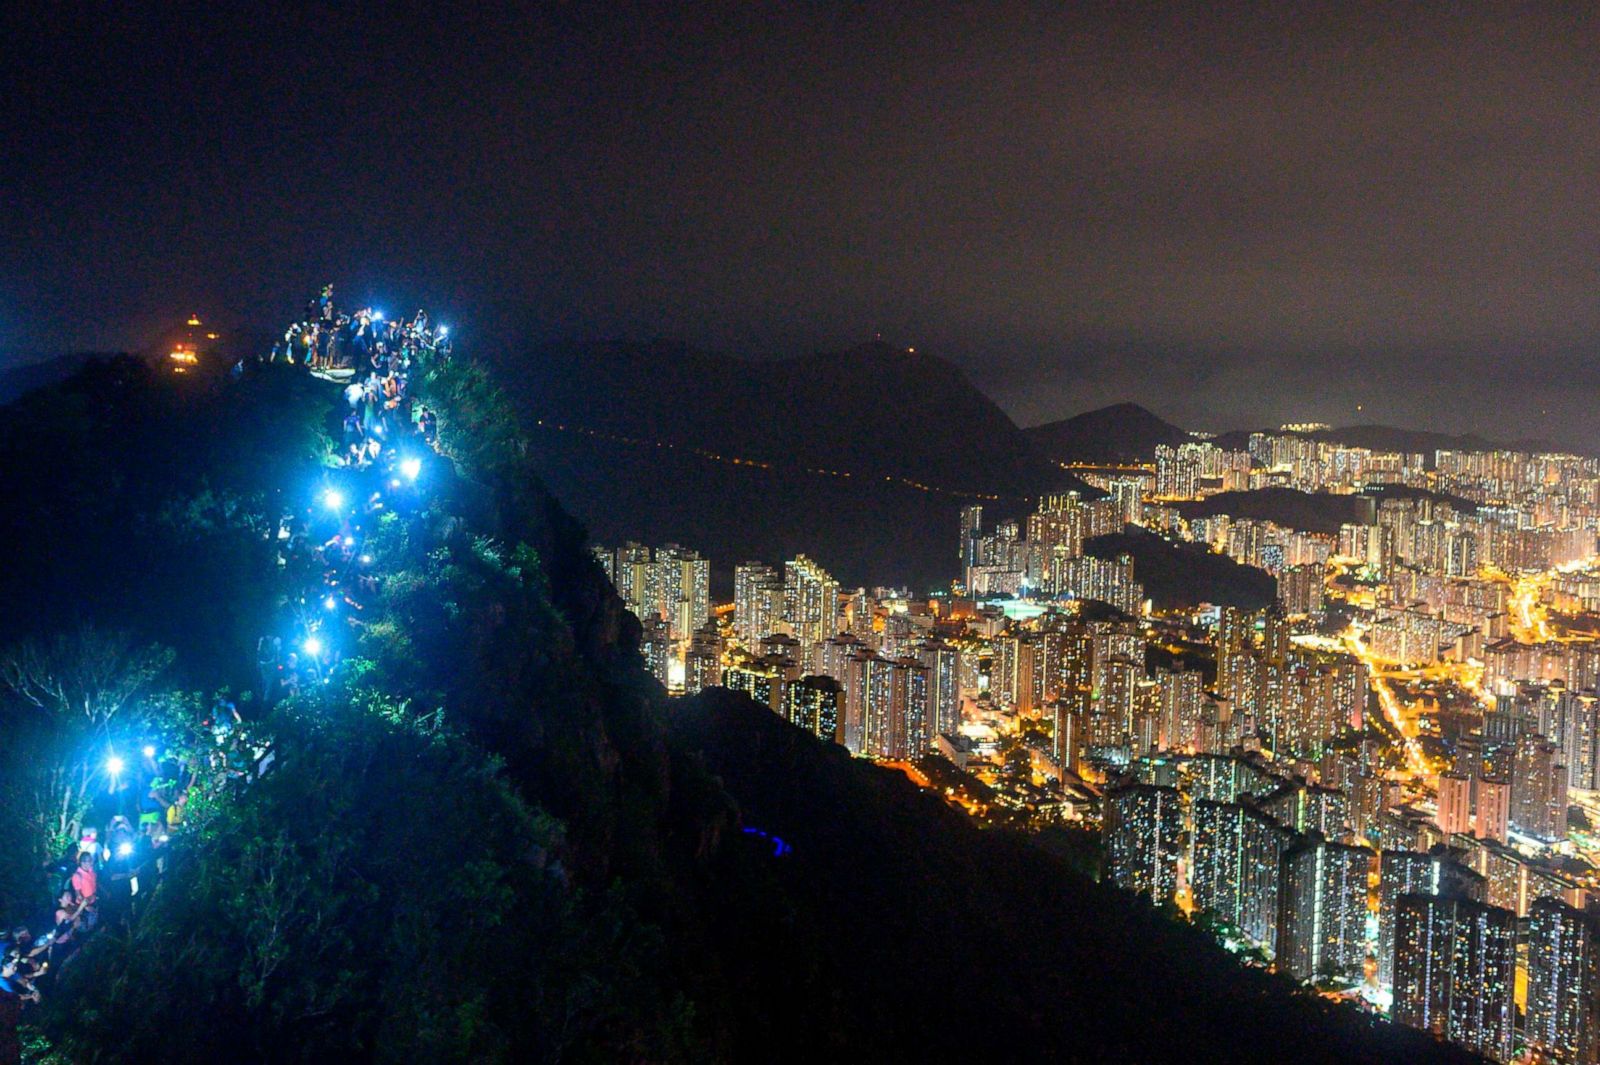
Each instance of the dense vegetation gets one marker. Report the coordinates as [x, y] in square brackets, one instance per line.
[1316, 512]
[1181, 575]
[493, 839]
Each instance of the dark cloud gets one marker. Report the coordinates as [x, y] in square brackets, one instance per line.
[1235, 219]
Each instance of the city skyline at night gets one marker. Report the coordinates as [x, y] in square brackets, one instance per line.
[771, 532]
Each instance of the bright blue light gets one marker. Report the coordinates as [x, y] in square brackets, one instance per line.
[149, 750]
[377, 316]
[312, 647]
[444, 330]
[115, 765]
[411, 467]
[330, 602]
[333, 499]
[779, 847]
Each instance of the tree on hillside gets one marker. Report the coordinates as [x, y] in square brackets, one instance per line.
[87, 673]
[381, 894]
[72, 697]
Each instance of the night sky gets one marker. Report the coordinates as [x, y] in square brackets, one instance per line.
[1234, 221]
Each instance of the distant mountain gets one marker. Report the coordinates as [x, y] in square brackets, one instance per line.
[861, 458]
[1390, 438]
[1123, 432]
[39, 372]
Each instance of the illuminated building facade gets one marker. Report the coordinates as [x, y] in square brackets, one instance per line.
[1144, 840]
[1539, 789]
[1455, 970]
[942, 663]
[810, 601]
[1235, 867]
[757, 601]
[1563, 1008]
[1404, 873]
[813, 702]
[1323, 909]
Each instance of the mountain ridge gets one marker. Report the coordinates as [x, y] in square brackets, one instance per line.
[1120, 433]
[861, 458]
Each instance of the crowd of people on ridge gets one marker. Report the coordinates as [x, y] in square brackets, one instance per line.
[376, 357]
[121, 850]
[387, 438]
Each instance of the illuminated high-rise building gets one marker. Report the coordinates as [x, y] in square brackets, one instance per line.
[680, 590]
[1322, 909]
[1127, 493]
[1454, 971]
[1275, 635]
[813, 702]
[1235, 867]
[810, 600]
[971, 543]
[1012, 674]
[671, 583]
[1303, 807]
[1493, 819]
[1178, 470]
[656, 646]
[853, 676]
[1539, 789]
[1066, 661]
[884, 704]
[1404, 873]
[631, 575]
[1225, 777]
[1579, 738]
[1144, 840]
[1300, 589]
[1563, 1009]
[1370, 795]
[915, 737]
[1455, 804]
[943, 665]
[1181, 702]
[895, 710]
[762, 677]
[702, 664]
[757, 601]
[1070, 713]
[1106, 580]
[1234, 636]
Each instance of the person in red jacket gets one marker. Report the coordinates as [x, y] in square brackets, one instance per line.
[85, 881]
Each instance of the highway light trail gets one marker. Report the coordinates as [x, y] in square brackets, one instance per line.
[763, 464]
[1388, 700]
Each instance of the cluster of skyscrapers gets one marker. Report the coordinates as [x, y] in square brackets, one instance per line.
[1368, 782]
[1275, 865]
[1044, 556]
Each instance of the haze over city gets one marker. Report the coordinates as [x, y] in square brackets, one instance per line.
[721, 533]
[1342, 214]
